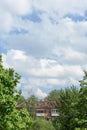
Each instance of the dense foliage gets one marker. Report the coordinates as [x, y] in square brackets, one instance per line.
[31, 104]
[10, 117]
[42, 124]
[81, 119]
[72, 108]
[53, 95]
[67, 108]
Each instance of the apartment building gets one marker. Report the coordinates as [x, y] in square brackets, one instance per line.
[46, 109]
[42, 109]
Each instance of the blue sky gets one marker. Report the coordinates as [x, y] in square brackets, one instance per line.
[45, 42]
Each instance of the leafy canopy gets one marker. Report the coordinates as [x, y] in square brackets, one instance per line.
[10, 117]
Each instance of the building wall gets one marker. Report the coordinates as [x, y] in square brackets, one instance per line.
[46, 113]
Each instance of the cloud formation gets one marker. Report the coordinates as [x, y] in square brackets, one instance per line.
[45, 41]
[41, 73]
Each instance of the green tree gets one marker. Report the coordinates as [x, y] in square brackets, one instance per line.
[31, 105]
[68, 99]
[42, 124]
[81, 119]
[53, 95]
[32, 100]
[21, 99]
[10, 117]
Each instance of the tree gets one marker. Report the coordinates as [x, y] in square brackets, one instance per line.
[42, 124]
[68, 99]
[31, 104]
[53, 95]
[81, 119]
[21, 99]
[10, 117]
[32, 100]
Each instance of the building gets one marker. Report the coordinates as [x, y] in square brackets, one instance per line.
[46, 109]
[42, 109]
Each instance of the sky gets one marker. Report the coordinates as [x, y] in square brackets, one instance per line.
[45, 41]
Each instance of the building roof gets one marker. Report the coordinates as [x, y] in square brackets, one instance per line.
[39, 104]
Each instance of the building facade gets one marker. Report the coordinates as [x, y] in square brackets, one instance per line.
[46, 109]
[42, 109]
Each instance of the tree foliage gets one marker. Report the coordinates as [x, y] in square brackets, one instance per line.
[21, 99]
[31, 104]
[53, 95]
[10, 117]
[81, 119]
[68, 99]
[42, 124]
[72, 107]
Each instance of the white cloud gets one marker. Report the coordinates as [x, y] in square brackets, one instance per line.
[41, 73]
[9, 9]
[44, 37]
[5, 21]
[17, 7]
[62, 6]
[56, 82]
[70, 56]
[40, 68]
[53, 52]
[18, 55]
[55, 9]
[40, 94]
